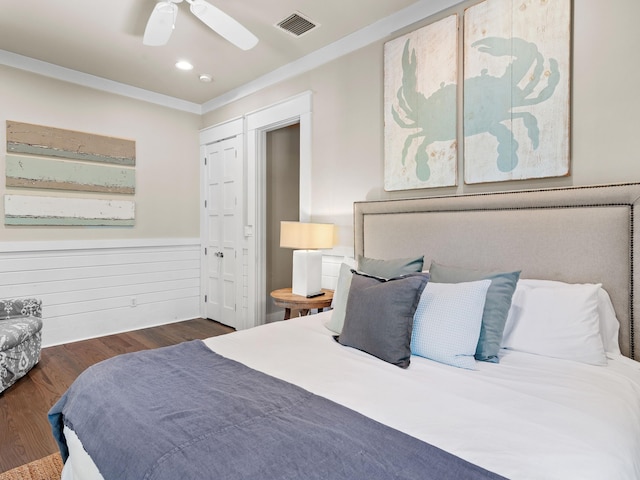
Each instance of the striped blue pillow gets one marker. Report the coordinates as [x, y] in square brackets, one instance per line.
[446, 325]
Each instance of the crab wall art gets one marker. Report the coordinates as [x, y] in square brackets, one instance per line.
[420, 107]
[515, 92]
[491, 103]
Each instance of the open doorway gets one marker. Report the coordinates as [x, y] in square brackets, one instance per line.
[294, 110]
[282, 203]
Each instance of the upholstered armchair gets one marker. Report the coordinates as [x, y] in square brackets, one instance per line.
[20, 338]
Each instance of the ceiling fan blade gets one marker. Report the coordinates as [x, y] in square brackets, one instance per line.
[226, 26]
[160, 24]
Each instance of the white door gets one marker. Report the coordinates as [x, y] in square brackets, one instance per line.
[222, 224]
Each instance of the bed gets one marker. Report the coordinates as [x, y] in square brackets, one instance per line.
[559, 398]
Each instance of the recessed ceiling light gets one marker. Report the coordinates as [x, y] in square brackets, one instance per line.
[184, 65]
[206, 78]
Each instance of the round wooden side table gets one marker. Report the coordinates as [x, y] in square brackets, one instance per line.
[283, 298]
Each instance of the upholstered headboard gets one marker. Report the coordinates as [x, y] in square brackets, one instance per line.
[575, 235]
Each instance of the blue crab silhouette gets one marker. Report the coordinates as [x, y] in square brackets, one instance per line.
[488, 101]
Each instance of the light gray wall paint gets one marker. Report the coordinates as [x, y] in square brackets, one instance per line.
[167, 168]
[348, 125]
[283, 193]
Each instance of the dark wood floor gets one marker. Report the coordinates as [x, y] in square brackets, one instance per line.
[25, 434]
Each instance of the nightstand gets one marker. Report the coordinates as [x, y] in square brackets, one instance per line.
[283, 298]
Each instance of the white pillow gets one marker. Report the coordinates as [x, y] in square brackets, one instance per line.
[556, 320]
[446, 325]
[609, 324]
[345, 268]
[340, 296]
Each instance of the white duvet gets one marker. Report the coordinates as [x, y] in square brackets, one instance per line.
[528, 417]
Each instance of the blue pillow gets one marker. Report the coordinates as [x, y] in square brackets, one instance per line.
[446, 325]
[391, 268]
[379, 316]
[496, 308]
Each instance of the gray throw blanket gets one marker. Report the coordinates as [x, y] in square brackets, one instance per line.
[186, 412]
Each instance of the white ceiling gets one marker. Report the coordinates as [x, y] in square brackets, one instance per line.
[104, 38]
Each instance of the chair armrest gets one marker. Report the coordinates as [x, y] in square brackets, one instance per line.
[20, 307]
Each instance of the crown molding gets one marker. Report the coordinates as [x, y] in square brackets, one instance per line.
[51, 70]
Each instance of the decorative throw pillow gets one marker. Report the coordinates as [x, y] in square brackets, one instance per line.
[556, 321]
[339, 302]
[392, 268]
[447, 322]
[496, 307]
[379, 316]
[371, 266]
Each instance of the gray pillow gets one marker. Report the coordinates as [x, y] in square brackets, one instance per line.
[395, 267]
[379, 315]
[496, 306]
[378, 268]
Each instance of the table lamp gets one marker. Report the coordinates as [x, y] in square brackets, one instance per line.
[306, 238]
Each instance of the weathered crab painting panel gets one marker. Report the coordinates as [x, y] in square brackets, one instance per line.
[420, 77]
[516, 90]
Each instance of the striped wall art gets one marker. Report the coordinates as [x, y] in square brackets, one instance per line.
[47, 158]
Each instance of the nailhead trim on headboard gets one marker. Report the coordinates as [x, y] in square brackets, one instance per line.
[618, 195]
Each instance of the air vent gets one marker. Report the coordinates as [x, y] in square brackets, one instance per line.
[296, 24]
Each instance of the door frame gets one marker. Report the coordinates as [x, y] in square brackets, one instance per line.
[296, 109]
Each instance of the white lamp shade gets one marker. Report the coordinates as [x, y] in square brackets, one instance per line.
[306, 236]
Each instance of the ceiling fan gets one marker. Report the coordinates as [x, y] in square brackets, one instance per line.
[163, 20]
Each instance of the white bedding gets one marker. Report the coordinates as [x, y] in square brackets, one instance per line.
[527, 417]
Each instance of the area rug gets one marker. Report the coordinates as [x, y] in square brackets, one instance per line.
[47, 468]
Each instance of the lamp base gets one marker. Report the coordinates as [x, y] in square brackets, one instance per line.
[307, 273]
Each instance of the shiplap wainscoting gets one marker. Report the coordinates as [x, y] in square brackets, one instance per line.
[90, 289]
